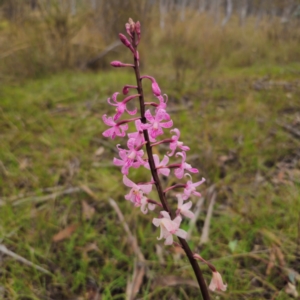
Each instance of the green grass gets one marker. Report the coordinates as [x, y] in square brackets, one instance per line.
[50, 131]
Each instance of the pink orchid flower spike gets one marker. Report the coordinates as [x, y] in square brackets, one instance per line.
[160, 166]
[217, 282]
[176, 143]
[190, 187]
[169, 227]
[156, 124]
[137, 191]
[183, 166]
[184, 209]
[116, 130]
[121, 106]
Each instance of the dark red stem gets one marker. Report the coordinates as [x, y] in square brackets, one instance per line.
[153, 202]
[185, 246]
[165, 141]
[127, 121]
[175, 187]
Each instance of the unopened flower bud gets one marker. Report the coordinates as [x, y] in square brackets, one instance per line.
[118, 64]
[127, 87]
[155, 89]
[132, 25]
[138, 31]
[138, 28]
[128, 29]
[124, 40]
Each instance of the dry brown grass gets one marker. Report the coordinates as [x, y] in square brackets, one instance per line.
[51, 40]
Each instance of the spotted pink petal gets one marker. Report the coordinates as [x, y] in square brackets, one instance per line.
[128, 182]
[108, 120]
[165, 161]
[131, 112]
[179, 173]
[149, 116]
[109, 133]
[167, 124]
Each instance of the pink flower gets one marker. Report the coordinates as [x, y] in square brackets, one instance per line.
[176, 143]
[138, 135]
[121, 106]
[160, 166]
[155, 88]
[156, 125]
[183, 166]
[116, 130]
[162, 104]
[190, 188]
[129, 158]
[217, 282]
[144, 203]
[169, 227]
[118, 64]
[184, 209]
[126, 88]
[137, 191]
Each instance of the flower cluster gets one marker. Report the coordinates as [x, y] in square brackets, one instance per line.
[149, 127]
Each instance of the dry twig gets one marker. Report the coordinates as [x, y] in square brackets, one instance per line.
[290, 129]
[68, 191]
[133, 285]
[205, 230]
[21, 259]
[193, 221]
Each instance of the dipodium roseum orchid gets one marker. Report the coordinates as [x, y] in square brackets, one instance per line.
[148, 127]
[146, 204]
[161, 167]
[190, 187]
[183, 166]
[169, 227]
[116, 128]
[138, 136]
[155, 124]
[137, 191]
[184, 209]
[121, 106]
[129, 158]
[176, 143]
[217, 282]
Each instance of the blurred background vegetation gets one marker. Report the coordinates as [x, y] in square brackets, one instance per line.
[42, 37]
[231, 69]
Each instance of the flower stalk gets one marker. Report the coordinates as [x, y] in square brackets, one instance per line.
[149, 126]
[158, 185]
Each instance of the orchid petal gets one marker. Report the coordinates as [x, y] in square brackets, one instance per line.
[128, 182]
